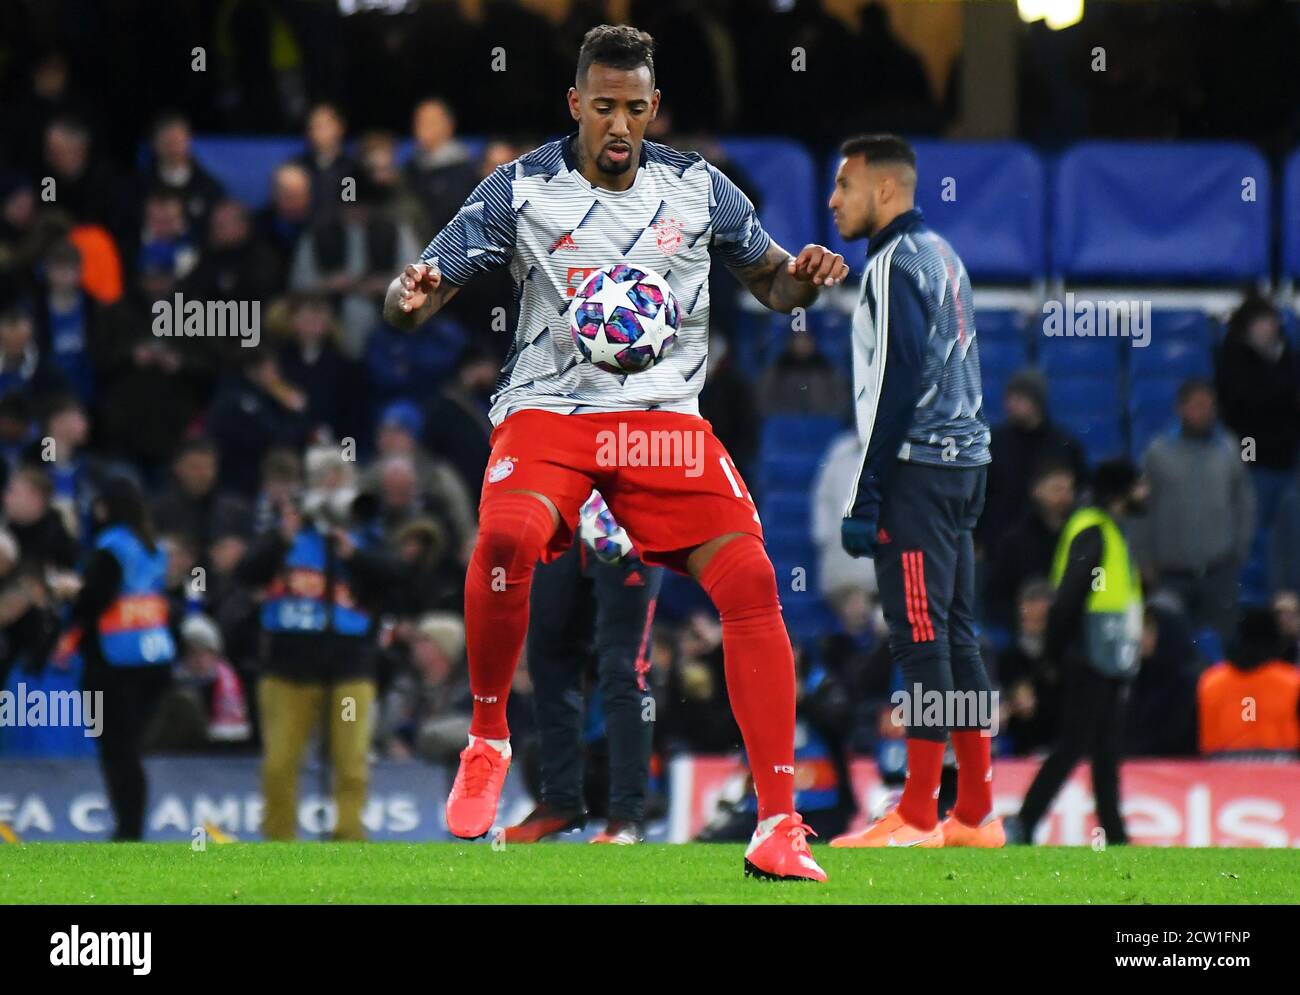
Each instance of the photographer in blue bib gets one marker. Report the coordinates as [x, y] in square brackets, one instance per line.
[322, 593]
[121, 627]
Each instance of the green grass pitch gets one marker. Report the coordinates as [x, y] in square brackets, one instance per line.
[326, 873]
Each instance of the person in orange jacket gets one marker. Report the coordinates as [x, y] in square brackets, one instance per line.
[1251, 702]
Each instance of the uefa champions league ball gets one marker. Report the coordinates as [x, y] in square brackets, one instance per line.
[603, 536]
[624, 319]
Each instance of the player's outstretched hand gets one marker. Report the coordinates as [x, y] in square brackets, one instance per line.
[819, 266]
[418, 281]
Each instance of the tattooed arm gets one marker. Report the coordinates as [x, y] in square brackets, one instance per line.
[784, 282]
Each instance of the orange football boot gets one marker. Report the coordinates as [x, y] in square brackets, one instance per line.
[891, 830]
[779, 851]
[472, 804]
[989, 834]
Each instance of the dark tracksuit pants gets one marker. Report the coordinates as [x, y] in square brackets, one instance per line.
[1092, 726]
[580, 605]
[131, 696]
[925, 569]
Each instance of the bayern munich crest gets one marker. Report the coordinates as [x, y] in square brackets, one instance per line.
[669, 235]
[501, 469]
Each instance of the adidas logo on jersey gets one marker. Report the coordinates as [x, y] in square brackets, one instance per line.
[565, 241]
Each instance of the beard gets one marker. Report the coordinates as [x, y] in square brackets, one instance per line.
[863, 229]
[607, 165]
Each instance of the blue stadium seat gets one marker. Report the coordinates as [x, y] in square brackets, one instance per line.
[807, 616]
[787, 471]
[1291, 216]
[245, 164]
[1082, 396]
[1001, 325]
[785, 175]
[993, 381]
[1099, 358]
[1001, 357]
[1101, 434]
[1172, 358]
[788, 508]
[792, 544]
[799, 434]
[1185, 325]
[986, 198]
[1172, 211]
[833, 330]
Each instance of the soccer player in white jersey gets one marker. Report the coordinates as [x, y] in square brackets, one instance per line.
[601, 196]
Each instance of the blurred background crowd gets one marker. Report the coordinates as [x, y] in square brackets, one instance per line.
[355, 425]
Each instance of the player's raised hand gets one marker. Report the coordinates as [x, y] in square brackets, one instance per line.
[418, 280]
[819, 266]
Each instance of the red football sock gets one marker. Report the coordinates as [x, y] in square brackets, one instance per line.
[759, 664]
[919, 806]
[974, 776]
[513, 531]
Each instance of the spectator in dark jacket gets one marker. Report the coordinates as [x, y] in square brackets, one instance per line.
[282, 221]
[1029, 683]
[334, 385]
[326, 160]
[802, 381]
[456, 424]
[234, 266]
[68, 320]
[440, 171]
[193, 504]
[728, 404]
[1258, 383]
[42, 537]
[252, 413]
[174, 168]
[150, 387]
[84, 186]
[1025, 552]
[23, 366]
[1027, 439]
[1160, 716]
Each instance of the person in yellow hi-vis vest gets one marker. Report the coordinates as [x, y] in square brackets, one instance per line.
[1094, 632]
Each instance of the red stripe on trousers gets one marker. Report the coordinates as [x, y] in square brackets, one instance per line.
[925, 604]
[909, 597]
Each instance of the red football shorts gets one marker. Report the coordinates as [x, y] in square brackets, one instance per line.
[666, 478]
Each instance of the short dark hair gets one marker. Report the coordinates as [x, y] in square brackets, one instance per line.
[617, 46]
[14, 316]
[200, 444]
[1113, 480]
[880, 148]
[1051, 466]
[166, 119]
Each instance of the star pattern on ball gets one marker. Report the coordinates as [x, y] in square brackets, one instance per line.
[626, 320]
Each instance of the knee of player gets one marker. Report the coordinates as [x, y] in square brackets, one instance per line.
[741, 581]
[500, 547]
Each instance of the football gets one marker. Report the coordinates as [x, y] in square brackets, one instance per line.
[603, 536]
[624, 319]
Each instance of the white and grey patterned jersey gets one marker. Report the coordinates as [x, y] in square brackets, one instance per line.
[540, 217]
